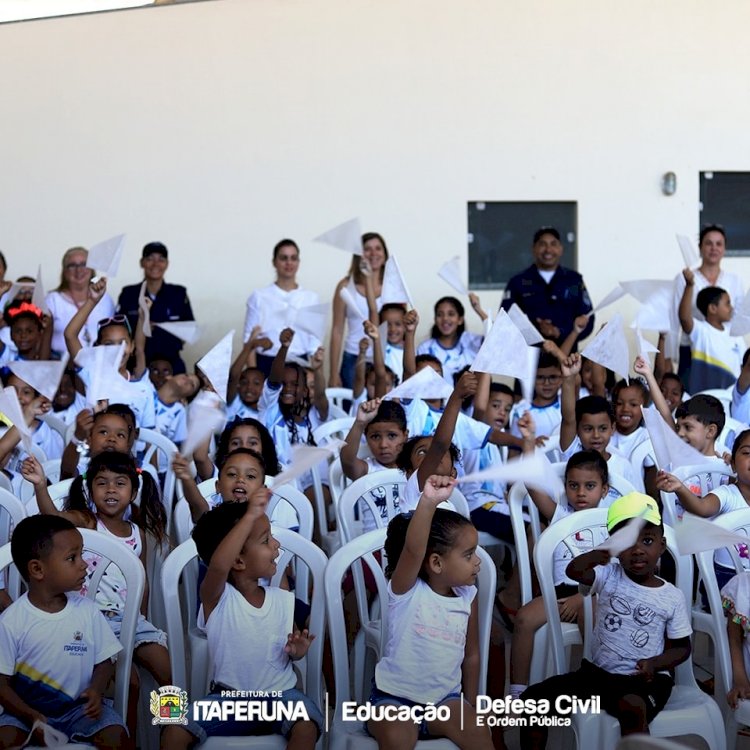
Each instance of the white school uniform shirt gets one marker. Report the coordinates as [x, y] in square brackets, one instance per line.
[481, 494]
[247, 643]
[740, 409]
[422, 419]
[171, 421]
[394, 358]
[716, 357]
[456, 357]
[239, 410]
[730, 498]
[425, 644]
[547, 419]
[411, 493]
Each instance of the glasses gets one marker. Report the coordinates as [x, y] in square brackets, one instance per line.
[115, 320]
[548, 378]
[74, 266]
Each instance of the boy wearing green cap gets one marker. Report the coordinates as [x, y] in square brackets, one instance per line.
[642, 628]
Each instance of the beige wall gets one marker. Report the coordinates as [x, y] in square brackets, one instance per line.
[220, 127]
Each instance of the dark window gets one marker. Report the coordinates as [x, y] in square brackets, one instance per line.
[725, 200]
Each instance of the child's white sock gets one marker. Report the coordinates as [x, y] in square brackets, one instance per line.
[516, 690]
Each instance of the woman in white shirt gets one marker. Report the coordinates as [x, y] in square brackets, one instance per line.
[64, 302]
[348, 318]
[268, 307]
[712, 245]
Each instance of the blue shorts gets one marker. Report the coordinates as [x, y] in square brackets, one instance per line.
[145, 632]
[74, 723]
[233, 728]
[379, 698]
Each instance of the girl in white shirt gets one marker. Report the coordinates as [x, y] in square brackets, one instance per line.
[432, 642]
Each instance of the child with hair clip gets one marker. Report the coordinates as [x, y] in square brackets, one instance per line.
[586, 486]
[641, 630]
[246, 378]
[108, 507]
[285, 405]
[30, 332]
[251, 629]
[113, 332]
[431, 650]
[450, 343]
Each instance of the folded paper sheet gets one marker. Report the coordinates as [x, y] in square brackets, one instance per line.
[740, 325]
[185, 330]
[346, 236]
[425, 384]
[534, 471]
[687, 248]
[624, 538]
[42, 375]
[39, 297]
[204, 418]
[451, 273]
[349, 301]
[521, 321]
[105, 381]
[645, 289]
[312, 320]
[645, 347]
[694, 534]
[52, 737]
[304, 457]
[609, 348]
[11, 407]
[215, 365]
[504, 351]
[395, 289]
[104, 257]
[617, 293]
[142, 305]
[669, 449]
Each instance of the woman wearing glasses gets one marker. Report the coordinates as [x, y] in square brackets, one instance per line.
[70, 296]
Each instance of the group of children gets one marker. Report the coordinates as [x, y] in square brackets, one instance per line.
[592, 425]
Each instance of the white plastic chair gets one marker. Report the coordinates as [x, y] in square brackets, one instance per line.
[56, 424]
[337, 396]
[358, 495]
[642, 452]
[718, 628]
[163, 448]
[732, 428]
[337, 480]
[688, 711]
[13, 512]
[183, 564]
[350, 736]
[709, 475]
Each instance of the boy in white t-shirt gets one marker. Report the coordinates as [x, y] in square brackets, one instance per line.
[55, 647]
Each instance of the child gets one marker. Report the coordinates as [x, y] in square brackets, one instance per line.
[450, 343]
[723, 499]
[113, 332]
[642, 628]
[246, 378]
[716, 356]
[586, 486]
[588, 424]
[735, 598]
[159, 369]
[392, 315]
[170, 412]
[433, 569]
[740, 409]
[672, 389]
[30, 337]
[112, 484]
[43, 679]
[247, 625]
[67, 402]
[545, 406]
[628, 397]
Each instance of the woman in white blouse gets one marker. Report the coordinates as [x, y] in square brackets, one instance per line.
[73, 291]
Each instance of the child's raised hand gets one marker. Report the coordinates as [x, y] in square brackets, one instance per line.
[411, 321]
[641, 366]
[256, 341]
[32, 471]
[476, 305]
[181, 467]
[365, 268]
[93, 705]
[526, 427]
[689, 276]
[371, 330]
[740, 690]
[36, 407]
[367, 410]
[298, 643]
[467, 385]
[258, 502]
[571, 366]
[547, 328]
[364, 345]
[84, 424]
[437, 489]
[316, 361]
[97, 289]
[667, 482]
[286, 336]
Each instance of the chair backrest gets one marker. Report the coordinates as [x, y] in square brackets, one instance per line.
[299, 504]
[337, 396]
[723, 394]
[58, 492]
[337, 480]
[543, 556]
[705, 478]
[523, 510]
[293, 547]
[363, 548]
[732, 428]
[333, 428]
[12, 512]
[161, 447]
[56, 424]
[372, 492]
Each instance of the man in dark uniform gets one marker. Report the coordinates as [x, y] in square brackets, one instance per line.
[169, 303]
[551, 296]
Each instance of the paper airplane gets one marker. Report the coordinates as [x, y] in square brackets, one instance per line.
[346, 236]
[617, 293]
[146, 311]
[609, 348]
[204, 418]
[349, 301]
[424, 384]
[624, 538]
[215, 365]
[669, 449]
[42, 375]
[39, 298]
[186, 330]
[688, 250]
[11, 407]
[304, 457]
[312, 319]
[450, 272]
[104, 257]
[521, 321]
[645, 347]
[394, 285]
[694, 534]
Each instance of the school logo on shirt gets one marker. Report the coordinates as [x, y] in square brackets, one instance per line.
[169, 705]
[77, 646]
